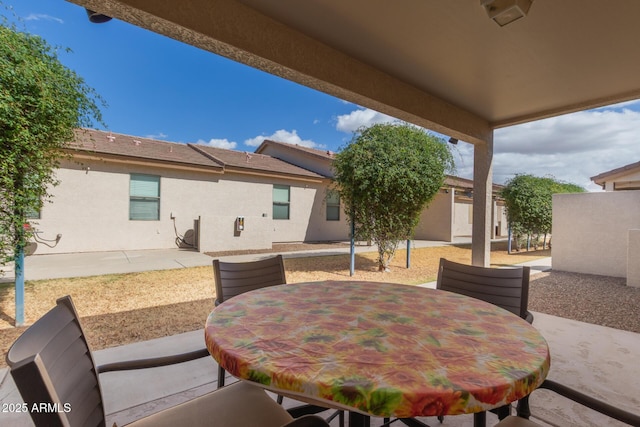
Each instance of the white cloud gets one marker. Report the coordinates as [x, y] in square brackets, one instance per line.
[42, 17]
[626, 104]
[283, 136]
[571, 148]
[219, 143]
[572, 133]
[159, 135]
[361, 118]
[463, 156]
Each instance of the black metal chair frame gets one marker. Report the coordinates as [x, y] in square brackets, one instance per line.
[236, 278]
[578, 397]
[505, 287]
[51, 363]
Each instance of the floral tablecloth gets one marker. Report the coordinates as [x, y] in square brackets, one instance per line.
[380, 348]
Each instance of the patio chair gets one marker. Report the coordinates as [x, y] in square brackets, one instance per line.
[52, 365]
[505, 287]
[522, 420]
[235, 278]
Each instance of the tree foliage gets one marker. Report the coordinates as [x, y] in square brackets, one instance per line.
[41, 103]
[386, 176]
[528, 200]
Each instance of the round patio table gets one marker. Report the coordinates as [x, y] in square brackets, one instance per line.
[378, 349]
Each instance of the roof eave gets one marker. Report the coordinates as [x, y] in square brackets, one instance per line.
[273, 174]
[143, 161]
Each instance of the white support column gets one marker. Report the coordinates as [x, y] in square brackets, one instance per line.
[482, 203]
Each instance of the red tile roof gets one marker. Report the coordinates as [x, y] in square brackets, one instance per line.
[133, 147]
[141, 148]
[252, 161]
[324, 154]
[218, 159]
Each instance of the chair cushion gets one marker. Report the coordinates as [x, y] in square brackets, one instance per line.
[512, 421]
[238, 405]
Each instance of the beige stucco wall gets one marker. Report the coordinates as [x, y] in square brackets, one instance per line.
[500, 225]
[591, 231]
[318, 228]
[447, 217]
[463, 217]
[633, 259]
[436, 221]
[308, 217]
[237, 195]
[91, 210]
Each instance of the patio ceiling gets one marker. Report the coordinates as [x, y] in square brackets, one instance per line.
[441, 64]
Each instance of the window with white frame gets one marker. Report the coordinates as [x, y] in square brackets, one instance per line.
[281, 201]
[144, 197]
[333, 205]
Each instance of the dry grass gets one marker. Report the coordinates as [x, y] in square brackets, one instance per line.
[120, 309]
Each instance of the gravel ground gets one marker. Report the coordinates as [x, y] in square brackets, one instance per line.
[600, 300]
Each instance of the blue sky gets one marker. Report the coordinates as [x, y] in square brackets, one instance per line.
[159, 88]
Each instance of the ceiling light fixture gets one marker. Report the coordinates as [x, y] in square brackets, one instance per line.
[97, 18]
[504, 12]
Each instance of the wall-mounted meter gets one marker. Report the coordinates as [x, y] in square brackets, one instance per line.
[240, 223]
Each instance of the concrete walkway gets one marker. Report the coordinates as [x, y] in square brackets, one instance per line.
[39, 267]
[591, 358]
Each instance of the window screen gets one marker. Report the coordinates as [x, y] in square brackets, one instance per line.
[333, 205]
[144, 197]
[281, 201]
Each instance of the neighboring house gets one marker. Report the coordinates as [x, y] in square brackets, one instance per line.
[120, 192]
[623, 178]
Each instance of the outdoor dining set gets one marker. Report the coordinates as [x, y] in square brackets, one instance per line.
[356, 350]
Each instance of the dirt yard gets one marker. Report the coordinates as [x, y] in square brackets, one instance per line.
[120, 309]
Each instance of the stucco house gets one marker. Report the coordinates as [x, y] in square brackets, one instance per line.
[623, 178]
[121, 192]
